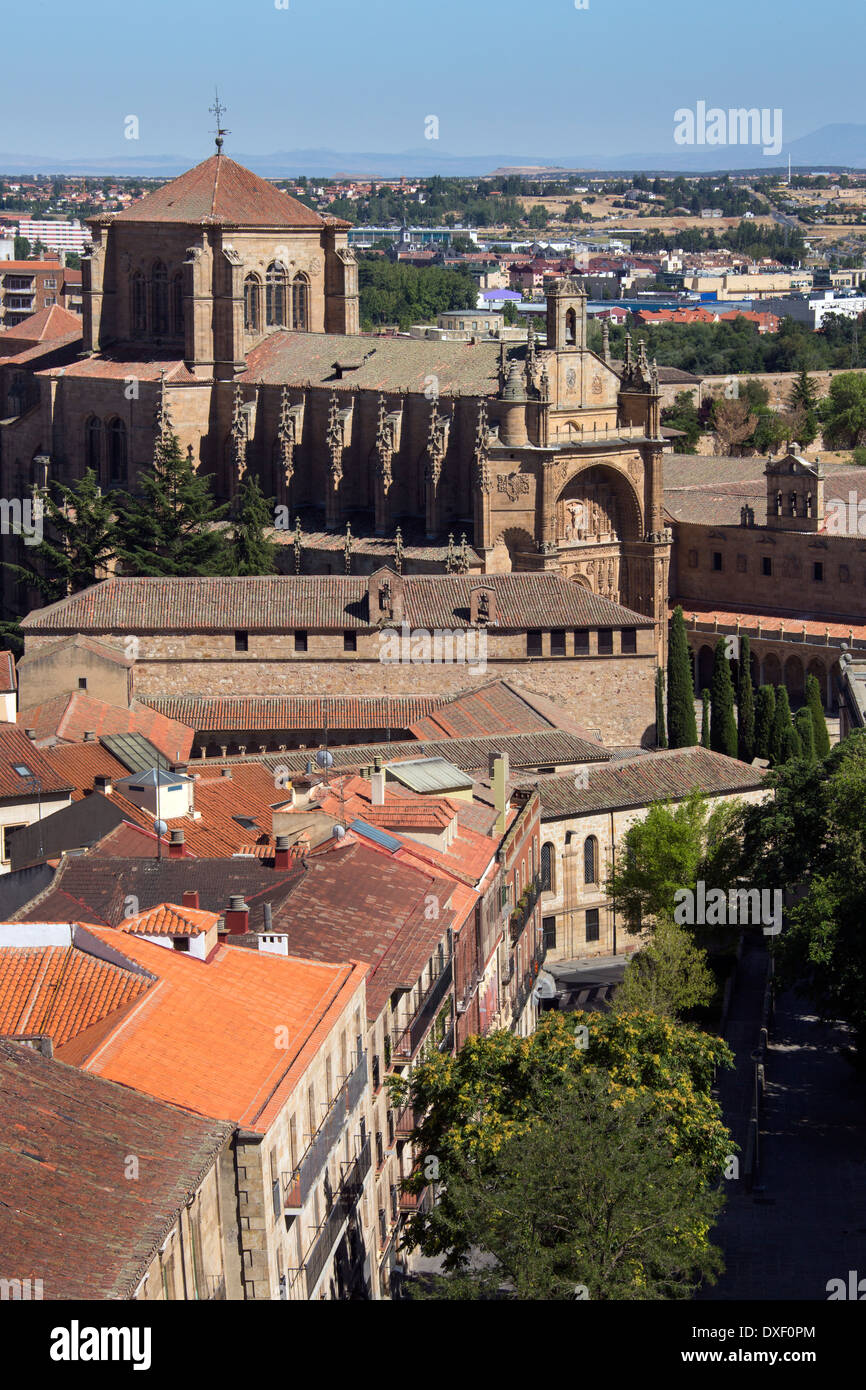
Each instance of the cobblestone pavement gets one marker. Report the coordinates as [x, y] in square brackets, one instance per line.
[808, 1224]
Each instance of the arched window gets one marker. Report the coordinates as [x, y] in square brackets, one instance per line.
[571, 327]
[275, 295]
[116, 452]
[590, 859]
[138, 303]
[301, 304]
[252, 304]
[177, 305]
[547, 868]
[159, 299]
[93, 444]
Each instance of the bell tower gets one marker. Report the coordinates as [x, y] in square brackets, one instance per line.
[566, 316]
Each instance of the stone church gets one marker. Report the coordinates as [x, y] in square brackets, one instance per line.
[226, 311]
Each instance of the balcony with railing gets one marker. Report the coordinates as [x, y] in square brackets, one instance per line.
[329, 1230]
[407, 1043]
[411, 1202]
[525, 908]
[298, 1185]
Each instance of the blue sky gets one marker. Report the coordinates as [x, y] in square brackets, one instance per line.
[361, 75]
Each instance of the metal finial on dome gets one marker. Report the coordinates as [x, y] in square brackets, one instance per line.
[218, 110]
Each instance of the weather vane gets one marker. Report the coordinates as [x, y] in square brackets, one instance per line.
[218, 110]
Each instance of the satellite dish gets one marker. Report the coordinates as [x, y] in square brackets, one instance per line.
[324, 758]
[160, 827]
[338, 832]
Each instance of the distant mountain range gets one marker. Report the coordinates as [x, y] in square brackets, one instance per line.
[831, 147]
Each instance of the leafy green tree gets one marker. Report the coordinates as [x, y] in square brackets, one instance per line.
[705, 718]
[723, 725]
[538, 216]
[745, 704]
[682, 728]
[765, 709]
[250, 550]
[592, 1201]
[78, 542]
[661, 734]
[503, 1086]
[660, 854]
[172, 527]
[843, 411]
[683, 415]
[784, 744]
[819, 724]
[805, 731]
[668, 976]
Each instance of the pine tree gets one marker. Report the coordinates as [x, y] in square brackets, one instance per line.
[784, 743]
[705, 718]
[745, 705]
[171, 527]
[805, 731]
[250, 550]
[682, 727]
[819, 723]
[723, 726]
[765, 709]
[661, 734]
[78, 540]
[803, 401]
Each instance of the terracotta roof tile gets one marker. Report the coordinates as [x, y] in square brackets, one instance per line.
[17, 750]
[70, 717]
[207, 713]
[60, 990]
[69, 1214]
[660, 776]
[170, 919]
[221, 190]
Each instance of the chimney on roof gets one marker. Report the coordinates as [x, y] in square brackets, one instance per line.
[181, 769]
[190, 897]
[89, 736]
[237, 916]
[175, 845]
[499, 778]
[377, 788]
[225, 772]
[103, 784]
[31, 733]
[282, 857]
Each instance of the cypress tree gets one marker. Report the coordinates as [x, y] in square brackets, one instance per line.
[682, 726]
[784, 743]
[745, 705]
[171, 528]
[805, 731]
[661, 733]
[765, 708]
[705, 718]
[723, 726]
[819, 723]
[250, 550]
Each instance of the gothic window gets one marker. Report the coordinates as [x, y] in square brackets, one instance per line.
[252, 304]
[571, 327]
[138, 305]
[547, 881]
[93, 444]
[177, 305]
[301, 304]
[116, 453]
[590, 859]
[159, 299]
[275, 296]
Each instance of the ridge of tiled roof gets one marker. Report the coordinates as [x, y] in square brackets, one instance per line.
[46, 325]
[169, 919]
[544, 748]
[322, 603]
[57, 1176]
[668, 774]
[221, 190]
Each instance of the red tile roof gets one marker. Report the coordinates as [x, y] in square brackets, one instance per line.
[46, 326]
[206, 713]
[16, 749]
[220, 190]
[204, 1035]
[321, 602]
[70, 1216]
[666, 775]
[70, 717]
[60, 990]
[170, 919]
[8, 676]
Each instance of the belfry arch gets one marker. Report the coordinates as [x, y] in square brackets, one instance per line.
[597, 505]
